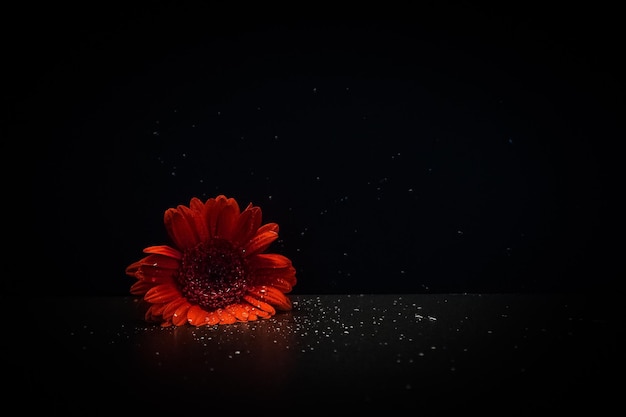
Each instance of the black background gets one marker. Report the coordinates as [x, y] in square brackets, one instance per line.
[443, 148]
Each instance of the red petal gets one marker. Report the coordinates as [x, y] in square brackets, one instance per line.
[227, 220]
[150, 316]
[281, 278]
[160, 261]
[212, 318]
[247, 225]
[268, 227]
[165, 251]
[225, 317]
[156, 275]
[260, 313]
[196, 316]
[181, 227]
[201, 227]
[170, 308]
[251, 314]
[208, 215]
[261, 305]
[157, 309]
[155, 312]
[238, 311]
[260, 242]
[140, 287]
[157, 269]
[180, 316]
[271, 296]
[164, 293]
[212, 210]
[269, 260]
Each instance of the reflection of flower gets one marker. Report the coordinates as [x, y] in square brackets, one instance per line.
[216, 271]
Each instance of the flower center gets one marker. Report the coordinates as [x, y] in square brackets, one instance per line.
[213, 274]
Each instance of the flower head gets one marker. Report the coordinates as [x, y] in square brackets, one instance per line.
[216, 271]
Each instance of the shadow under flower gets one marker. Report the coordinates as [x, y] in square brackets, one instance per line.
[228, 361]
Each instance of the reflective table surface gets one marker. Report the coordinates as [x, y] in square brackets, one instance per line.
[500, 354]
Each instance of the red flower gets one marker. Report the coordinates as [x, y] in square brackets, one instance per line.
[216, 271]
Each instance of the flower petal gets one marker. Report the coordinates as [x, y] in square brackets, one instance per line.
[252, 312]
[201, 227]
[164, 250]
[263, 314]
[269, 260]
[255, 313]
[261, 305]
[238, 311]
[157, 309]
[180, 315]
[273, 270]
[155, 312]
[196, 316]
[225, 316]
[140, 287]
[260, 242]
[207, 213]
[160, 261]
[268, 227]
[271, 296]
[163, 293]
[285, 284]
[212, 211]
[171, 307]
[247, 225]
[226, 220]
[181, 226]
[282, 279]
[155, 275]
[150, 316]
[157, 269]
[212, 318]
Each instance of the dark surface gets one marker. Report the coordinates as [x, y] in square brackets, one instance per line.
[421, 354]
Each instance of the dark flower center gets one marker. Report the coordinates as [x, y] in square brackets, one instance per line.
[213, 274]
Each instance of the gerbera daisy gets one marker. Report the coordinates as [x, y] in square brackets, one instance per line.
[215, 272]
